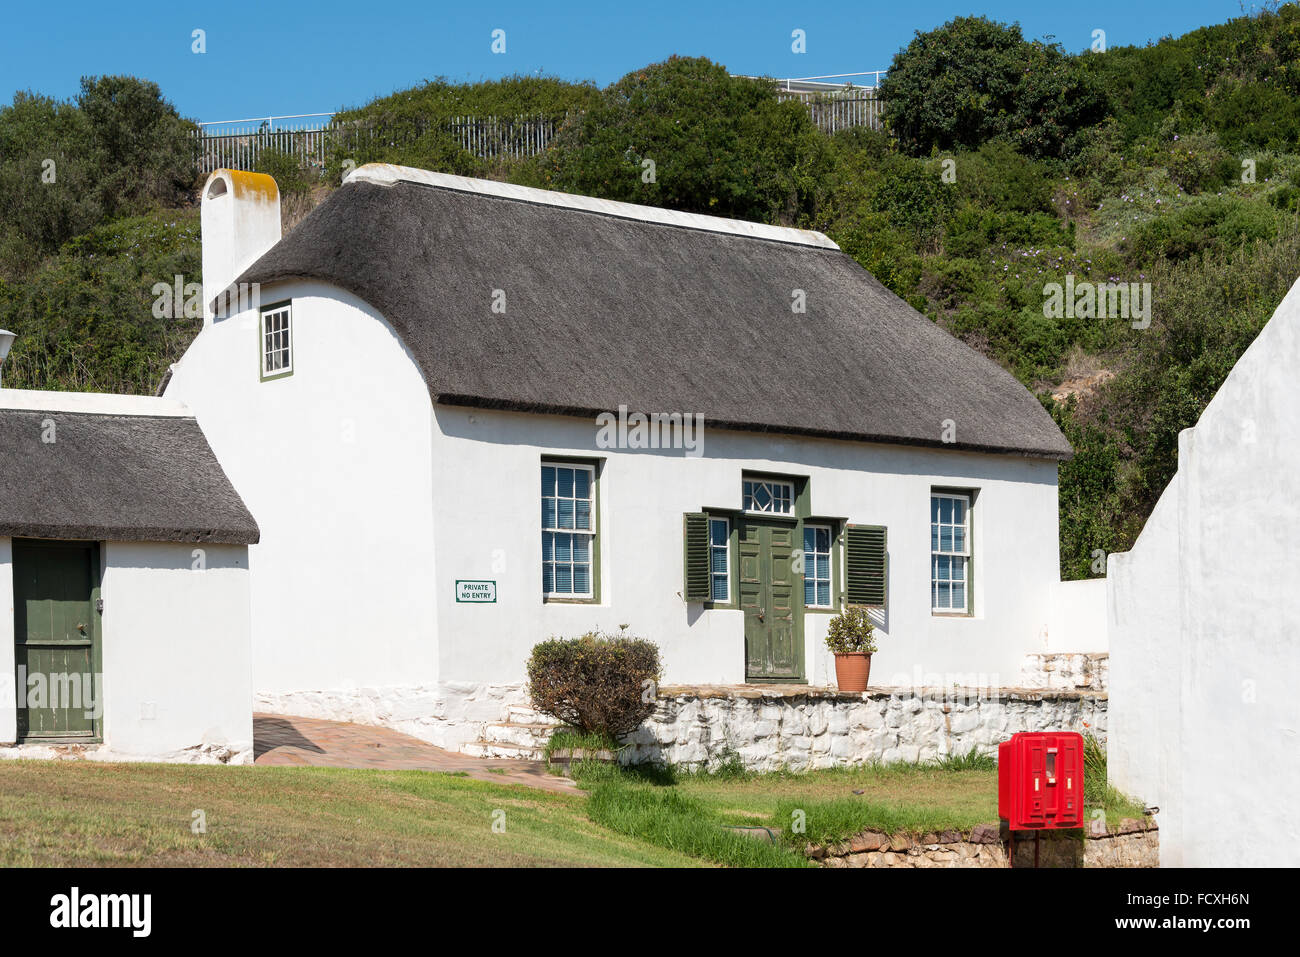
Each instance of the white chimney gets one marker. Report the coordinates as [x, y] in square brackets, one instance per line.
[240, 219]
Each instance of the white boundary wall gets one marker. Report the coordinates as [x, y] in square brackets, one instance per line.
[1205, 626]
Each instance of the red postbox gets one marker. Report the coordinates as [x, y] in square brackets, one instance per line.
[1040, 780]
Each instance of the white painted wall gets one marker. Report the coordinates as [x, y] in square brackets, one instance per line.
[175, 649]
[487, 511]
[1078, 617]
[1204, 639]
[8, 672]
[176, 643]
[334, 463]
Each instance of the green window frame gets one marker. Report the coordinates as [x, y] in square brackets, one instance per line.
[819, 591]
[951, 582]
[720, 559]
[275, 341]
[570, 529]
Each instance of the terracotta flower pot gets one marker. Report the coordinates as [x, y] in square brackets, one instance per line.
[852, 671]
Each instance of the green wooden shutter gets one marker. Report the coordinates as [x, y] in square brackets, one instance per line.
[695, 551]
[866, 565]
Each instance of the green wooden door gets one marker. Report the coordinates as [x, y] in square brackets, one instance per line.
[55, 639]
[773, 607]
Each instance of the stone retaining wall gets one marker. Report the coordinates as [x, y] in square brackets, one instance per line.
[1132, 844]
[798, 727]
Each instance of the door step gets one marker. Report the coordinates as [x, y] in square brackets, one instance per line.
[523, 736]
[489, 749]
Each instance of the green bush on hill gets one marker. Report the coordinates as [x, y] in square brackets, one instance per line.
[686, 135]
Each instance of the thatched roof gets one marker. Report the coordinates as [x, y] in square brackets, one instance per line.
[610, 304]
[111, 477]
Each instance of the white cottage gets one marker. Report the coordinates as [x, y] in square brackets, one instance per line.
[441, 407]
[124, 586]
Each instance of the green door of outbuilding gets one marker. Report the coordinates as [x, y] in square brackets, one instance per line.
[56, 637]
[772, 606]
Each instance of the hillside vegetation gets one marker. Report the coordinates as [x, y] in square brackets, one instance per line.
[1009, 165]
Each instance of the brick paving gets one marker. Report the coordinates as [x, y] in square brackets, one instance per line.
[287, 740]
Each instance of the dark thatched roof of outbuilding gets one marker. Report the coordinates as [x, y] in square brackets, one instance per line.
[107, 477]
[606, 309]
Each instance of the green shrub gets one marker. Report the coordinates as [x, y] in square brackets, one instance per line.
[1219, 222]
[971, 230]
[1197, 163]
[287, 172]
[851, 632]
[915, 199]
[973, 80]
[719, 144]
[66, 168]
[949, 282]
[85, 320]
[597, 683]
[882, 252]
[999, 178]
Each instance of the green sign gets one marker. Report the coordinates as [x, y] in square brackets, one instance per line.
[478, 592]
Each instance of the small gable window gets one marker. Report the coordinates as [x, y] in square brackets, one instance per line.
[277, 340]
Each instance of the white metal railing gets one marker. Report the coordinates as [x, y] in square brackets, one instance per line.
[313, 137]
[312, 144]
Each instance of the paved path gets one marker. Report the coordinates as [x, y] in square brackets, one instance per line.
[285, 740]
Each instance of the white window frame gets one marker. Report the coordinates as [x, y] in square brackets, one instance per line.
[285, 308]
[590, 533]
[725, 548]
[964, 555]
[772, 484]
[830, 566]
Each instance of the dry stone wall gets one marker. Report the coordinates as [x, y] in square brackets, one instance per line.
[1131, 844]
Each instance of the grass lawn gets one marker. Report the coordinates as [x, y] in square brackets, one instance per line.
[691, 812]
[85, 814]
[841, 802]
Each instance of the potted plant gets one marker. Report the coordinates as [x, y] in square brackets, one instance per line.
[850, 637]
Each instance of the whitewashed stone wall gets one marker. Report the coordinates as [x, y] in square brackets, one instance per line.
[797, 727]
[233, 753]
[1064, 671]
[449, 714]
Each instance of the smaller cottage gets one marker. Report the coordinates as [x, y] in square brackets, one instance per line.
[124, 584]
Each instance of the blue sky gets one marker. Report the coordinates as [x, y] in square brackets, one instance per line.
[282, 58]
